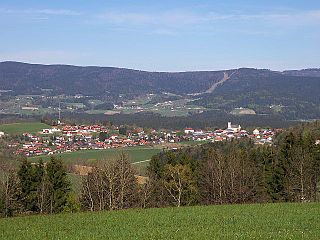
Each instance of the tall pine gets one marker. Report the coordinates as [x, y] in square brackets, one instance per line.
[59, 186]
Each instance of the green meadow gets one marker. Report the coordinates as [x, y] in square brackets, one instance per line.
[256, 221]
[136, 154]
[20, 128]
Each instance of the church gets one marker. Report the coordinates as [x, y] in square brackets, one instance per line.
[233, 128]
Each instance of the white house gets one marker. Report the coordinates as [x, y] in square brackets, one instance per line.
[1, 134]
[256, 132]
[50, 130]
[188, 131]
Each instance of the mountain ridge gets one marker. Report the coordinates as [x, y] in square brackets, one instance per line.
[140, 70]
[293, 92]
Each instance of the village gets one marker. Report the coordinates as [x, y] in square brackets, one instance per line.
[70, 138]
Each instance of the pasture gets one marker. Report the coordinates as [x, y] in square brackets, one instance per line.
[256, 221]
[20, 128]
[136, 154]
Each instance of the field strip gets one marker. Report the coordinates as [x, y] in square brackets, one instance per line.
[148, 160]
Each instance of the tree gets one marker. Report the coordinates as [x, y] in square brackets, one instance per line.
[30, 180]
[58, 185]
[123, 130]
[127, 183]
[43, 195]
[25, 179]
[304, 168]
[210, 178]
[110, 186]
[103, 136]
[180, 184]
[9, 192]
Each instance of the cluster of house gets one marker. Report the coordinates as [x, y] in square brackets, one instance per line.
[259, 136]
[66, 138]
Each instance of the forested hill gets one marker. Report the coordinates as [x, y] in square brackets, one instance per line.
[67, 79]
[31, 78]
[291, 94]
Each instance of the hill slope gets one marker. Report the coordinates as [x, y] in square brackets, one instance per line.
[268, 221]
[268, 92]
[31, 78]
[289, 94]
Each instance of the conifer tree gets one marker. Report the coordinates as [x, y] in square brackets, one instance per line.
[59, 186]
[30, 180]
[25, 175]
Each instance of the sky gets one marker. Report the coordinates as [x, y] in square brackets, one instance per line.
[166, 35]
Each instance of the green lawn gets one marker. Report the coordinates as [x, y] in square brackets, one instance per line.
[135, 154]
[193, 143]
[268, 221]
[20, 128]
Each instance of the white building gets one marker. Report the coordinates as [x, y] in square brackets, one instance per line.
[188, 131]
[233, 128]
[51, 130]
[1, 134]
[256, 132]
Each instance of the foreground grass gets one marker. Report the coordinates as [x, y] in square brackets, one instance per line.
[267, 221]
[20, 128]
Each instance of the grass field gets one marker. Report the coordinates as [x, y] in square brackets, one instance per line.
[20, 128]
[268, 221]
[136, 154]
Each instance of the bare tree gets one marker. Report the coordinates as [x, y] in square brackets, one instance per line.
[9, 191]
[303, 175]
[43, 196]
[145, 193]
[127, 184]
[226, 177]
[179, 183]
[110, 186]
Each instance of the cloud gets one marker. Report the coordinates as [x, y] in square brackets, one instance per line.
[164, 32]
[46, 11]
[189, 18]
[169, 18]
[179, 18]
[285, 18]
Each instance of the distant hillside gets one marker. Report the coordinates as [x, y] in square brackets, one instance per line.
[64, 79]
[268, 92]
[291, 94]
[312, 72]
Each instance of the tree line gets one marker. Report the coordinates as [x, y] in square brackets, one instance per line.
[231, 172]
[241, 172]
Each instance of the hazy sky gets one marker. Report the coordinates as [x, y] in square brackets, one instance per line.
[163, 35]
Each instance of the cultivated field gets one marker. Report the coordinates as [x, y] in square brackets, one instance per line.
[20, 128]
[268, 221]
